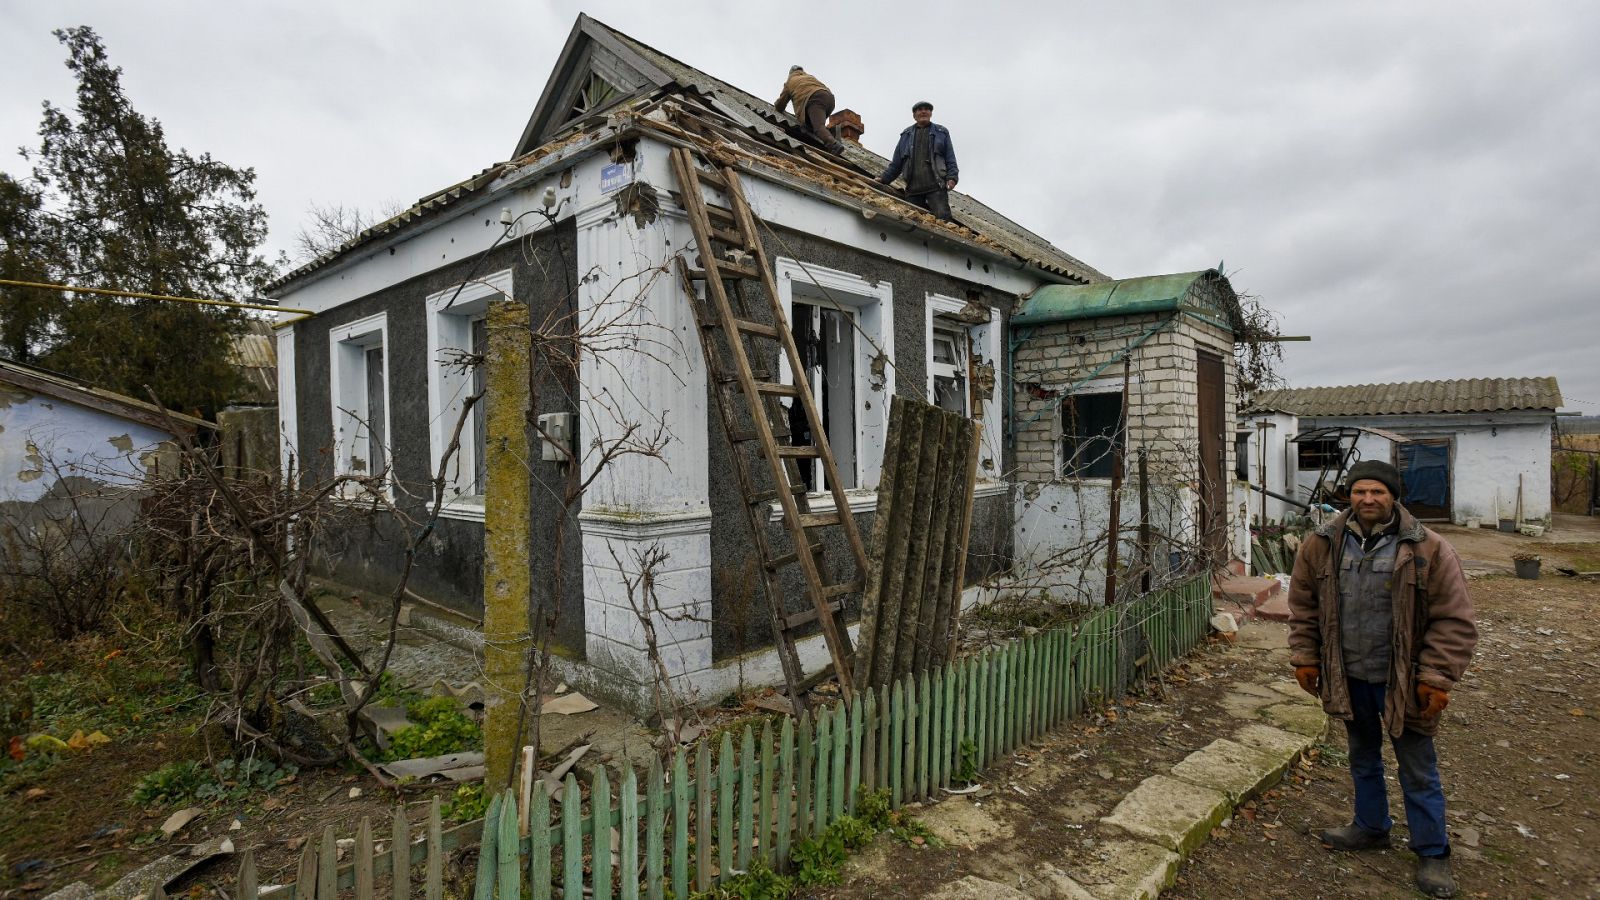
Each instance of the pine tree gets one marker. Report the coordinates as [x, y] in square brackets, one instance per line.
[118, 208]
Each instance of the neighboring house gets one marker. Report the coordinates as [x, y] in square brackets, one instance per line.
[882, 298]
[59, 434]
[248, 443]
[1466, 449]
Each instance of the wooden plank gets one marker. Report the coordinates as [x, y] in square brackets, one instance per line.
[725, 776]
[839, 759]
[600, 814]
[363, 860]
[680, 825]
[804, 764]
[508, 861]
[857, 726]
[399, 859]
[746, 803]
[328, 865]
[786, 823]
[249, 884]
[764, 799]
[897, 744]
[704, 834]
[655, 825]
[938, 742]
[434, 886]
[571, 838]
[628, 856]
[824, 770]
[925, 711]
[539, 875]
[885, 759]
[488, 851]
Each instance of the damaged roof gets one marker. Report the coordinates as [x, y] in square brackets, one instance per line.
[33, 380]
[640, 74]
[1207, 292]
[1462, 395]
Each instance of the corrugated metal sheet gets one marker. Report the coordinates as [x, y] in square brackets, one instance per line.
[1207, 292]
[255, 353]
[1463, 395]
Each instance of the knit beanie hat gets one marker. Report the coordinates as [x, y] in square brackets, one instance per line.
[1377, 470]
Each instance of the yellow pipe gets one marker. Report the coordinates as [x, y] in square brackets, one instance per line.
[305, 313]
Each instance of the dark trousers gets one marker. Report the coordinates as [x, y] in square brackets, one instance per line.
[936, 202]
[1419, 774]
[815, 117]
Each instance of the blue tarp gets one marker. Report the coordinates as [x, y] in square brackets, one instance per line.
[1425, 474]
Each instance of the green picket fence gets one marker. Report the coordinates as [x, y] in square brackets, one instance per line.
[759, 793]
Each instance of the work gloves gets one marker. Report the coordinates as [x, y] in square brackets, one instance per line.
[1432, 699]
[1310, 678]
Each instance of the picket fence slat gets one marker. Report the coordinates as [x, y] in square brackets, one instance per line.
[747, 769]
[571, 838]
[785, 798]
[725, 808]
[841, 736]
[823, 757]
[680, 825]
[539, 844]
[856, 780]
[764, 800]
[364, 859]
[702, 820]
[628, 871]
[600, 855]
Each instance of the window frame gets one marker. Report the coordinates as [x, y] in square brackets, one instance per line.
[1063, 458]
[872, 308]
[1319, 450]
[450, 319]
[348, 345]
[983, 345]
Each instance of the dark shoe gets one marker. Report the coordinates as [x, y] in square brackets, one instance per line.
[1434, 878]
[1354, 837]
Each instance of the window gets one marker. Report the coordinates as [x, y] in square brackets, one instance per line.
[360, 396]
[826, 340]
[458, 338]
[1319, 454]
[947, 368]
[1090, 438]
[1241, 455]
[843, 327]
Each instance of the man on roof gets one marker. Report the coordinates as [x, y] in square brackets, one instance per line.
[928, 159]
[813, 103]
[1381, 629]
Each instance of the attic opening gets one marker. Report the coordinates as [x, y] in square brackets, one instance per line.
[596, 94]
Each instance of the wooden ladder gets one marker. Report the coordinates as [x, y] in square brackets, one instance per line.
[756, 423]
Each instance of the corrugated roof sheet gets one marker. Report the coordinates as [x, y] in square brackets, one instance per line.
[1463, 395]
[1207, 292]
[255, 353]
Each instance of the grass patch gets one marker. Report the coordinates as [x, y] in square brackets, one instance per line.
[438, 727]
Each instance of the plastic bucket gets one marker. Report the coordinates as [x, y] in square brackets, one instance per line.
[1526, 568]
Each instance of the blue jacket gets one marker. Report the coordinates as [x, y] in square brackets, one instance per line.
[940, 149]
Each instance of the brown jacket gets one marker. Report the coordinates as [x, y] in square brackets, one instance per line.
[1433, 626]
[798, 87]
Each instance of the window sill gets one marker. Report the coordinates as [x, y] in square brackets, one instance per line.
[464, 509]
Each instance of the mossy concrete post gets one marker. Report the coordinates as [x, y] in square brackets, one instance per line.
[507, 581]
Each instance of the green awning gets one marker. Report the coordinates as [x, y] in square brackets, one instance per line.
[1206, 293]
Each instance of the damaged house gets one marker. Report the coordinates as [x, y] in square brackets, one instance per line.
[584, 228]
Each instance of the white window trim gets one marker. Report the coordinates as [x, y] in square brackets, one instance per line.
[359, 334]
[986, 344]
[444, 404]
[871, 301]
[288, 406]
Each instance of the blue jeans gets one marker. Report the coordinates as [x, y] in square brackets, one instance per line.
[1419, 774]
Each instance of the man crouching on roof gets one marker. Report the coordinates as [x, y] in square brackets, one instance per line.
[813, 103]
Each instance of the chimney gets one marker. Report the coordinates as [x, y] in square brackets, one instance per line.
[846, 125]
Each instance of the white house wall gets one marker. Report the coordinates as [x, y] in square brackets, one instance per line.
[44, 439]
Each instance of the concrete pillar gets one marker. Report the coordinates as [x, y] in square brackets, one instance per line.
[507, 594]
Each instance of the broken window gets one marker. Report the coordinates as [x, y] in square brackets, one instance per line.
[360, 397]
[595, 94]
[1090, 434]
[1322, 453]
[947, 369]
[825, 337]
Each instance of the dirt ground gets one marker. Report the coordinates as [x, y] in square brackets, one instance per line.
[1518, 759]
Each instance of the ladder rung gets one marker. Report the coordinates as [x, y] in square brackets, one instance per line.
[760, 497]
[730, 237]
[788, 452]
[731, 269]
[776, 389]
[749, 327]
[819, 520]
[721, 214]
[714, 179]
[807, 615]
[745, 437]
[778, 562]
[839, 590]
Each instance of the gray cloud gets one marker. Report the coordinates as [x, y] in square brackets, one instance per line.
[1411, 184]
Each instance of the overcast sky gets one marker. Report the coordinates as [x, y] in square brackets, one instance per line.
[1414, 185]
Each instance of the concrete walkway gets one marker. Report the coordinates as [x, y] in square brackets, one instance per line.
[1137, 848]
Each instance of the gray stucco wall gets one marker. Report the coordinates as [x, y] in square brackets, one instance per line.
[369, 554]
[739, 611]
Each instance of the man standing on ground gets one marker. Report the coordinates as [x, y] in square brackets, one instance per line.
[813, 104]
[929, 161]
[1380, 627]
